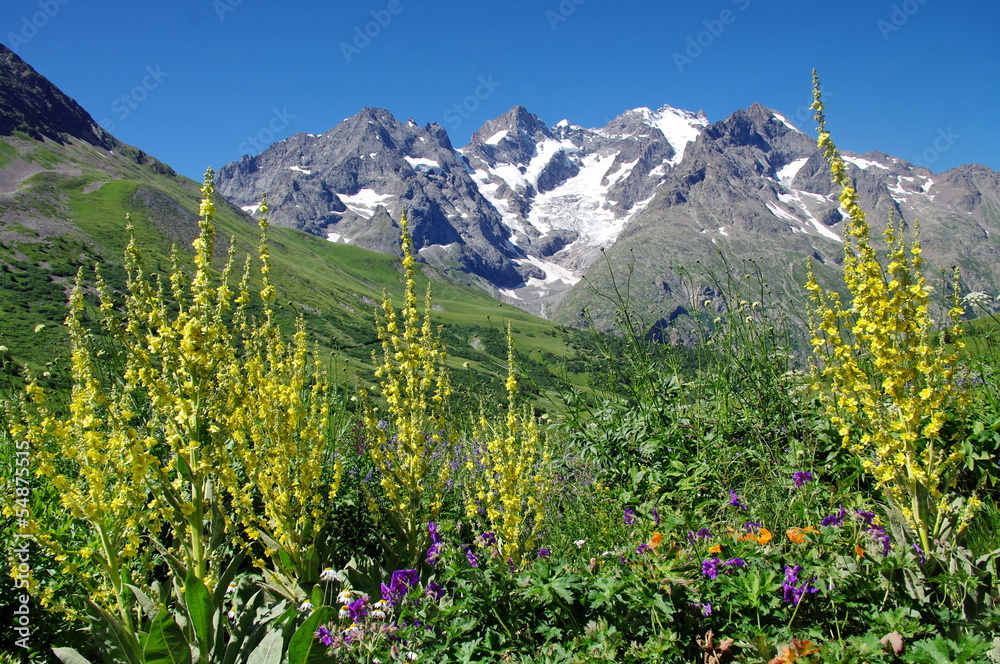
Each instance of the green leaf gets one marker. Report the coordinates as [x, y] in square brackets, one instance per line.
[70, 656]
[118, 638]
[200, 609]
[148, 607]
[304, 640]
[228, 575]
[165, 643]
[270, 649]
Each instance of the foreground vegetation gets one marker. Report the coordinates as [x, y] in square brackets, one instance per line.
[208, 493]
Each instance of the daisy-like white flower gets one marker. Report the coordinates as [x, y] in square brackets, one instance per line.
[231, 614]
[344, 612]
[231, 588]
[579, 543]
[328, 575]
[411, 656]
[306, 606]
[345, 596]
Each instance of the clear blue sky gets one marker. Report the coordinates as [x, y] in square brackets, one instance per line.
[192, 81]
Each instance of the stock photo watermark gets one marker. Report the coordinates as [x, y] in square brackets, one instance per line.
[942, 143]
[900, 14]
[223, 7]
[21, 552]
[461, 111]
[697, 44]
[32, 23]
[561, 13]
[123, 106]
[280, 119]
[363, 35]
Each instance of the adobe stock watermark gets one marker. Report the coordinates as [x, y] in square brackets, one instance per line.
[31, 24]
[123, 106]
[363, 35]
[258, 142]
[461, 111]
[699, 43]
[223, 7]
[562, 12]
[942, 143]
[900, 14]
[21, 552]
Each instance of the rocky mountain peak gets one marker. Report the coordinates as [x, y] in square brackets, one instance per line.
[517, 122]
[29, 102]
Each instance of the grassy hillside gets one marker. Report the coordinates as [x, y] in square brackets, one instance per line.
[64, 207]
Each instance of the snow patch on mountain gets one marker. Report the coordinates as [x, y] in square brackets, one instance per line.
[787, 173]
[423, 164]
[865, 163]
[364, 202]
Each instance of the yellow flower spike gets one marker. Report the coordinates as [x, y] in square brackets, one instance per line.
[875, 361]
[410, 436]
[187, 409]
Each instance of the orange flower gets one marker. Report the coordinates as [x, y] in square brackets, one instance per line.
[858, 550]
[655, 540]
[762, 537]
[798, 535]
[715, 548]
[793, 651]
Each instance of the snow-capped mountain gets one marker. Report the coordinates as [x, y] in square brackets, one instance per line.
[526, 208]
[351, 184]
[566, 191]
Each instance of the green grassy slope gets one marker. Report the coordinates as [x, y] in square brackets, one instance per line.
[64, 207]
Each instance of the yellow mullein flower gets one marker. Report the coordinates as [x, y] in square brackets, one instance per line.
[883, 381]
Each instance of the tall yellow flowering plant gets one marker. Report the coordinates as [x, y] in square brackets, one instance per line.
[513, 485]
[409, 441]
[194, 425]
[884, 381]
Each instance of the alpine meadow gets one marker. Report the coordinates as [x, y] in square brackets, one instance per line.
[667, 390]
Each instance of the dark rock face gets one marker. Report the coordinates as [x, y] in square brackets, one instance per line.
[349, 182]
[30, 103]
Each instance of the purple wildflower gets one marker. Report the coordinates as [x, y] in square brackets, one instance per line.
[706, 609]
[629, 516]
[734, 500]
[405, 577]
[325, 636]
[710, 567]
[877, 533]
[471, 557]
[735, 562]
[358, 608]
[434, 553]
[791, 592]
[435, 590]
[543, 552]
[432, 529]
[488, 538]
[642, 548]
[920, 552]
[656, 516]
[867, 518]
[835, 519]
[800, 478]
[753, 525]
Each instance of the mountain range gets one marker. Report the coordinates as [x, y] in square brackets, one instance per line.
[68, 187]
[552, 219]
[666, 197]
